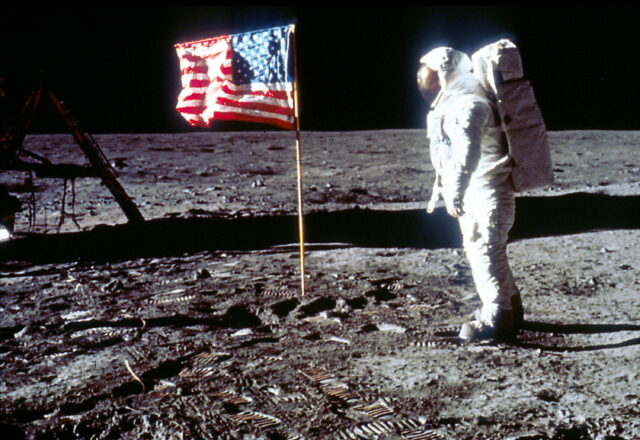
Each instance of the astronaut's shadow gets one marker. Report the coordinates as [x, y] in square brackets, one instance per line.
[371, 228]
[574, 213]
[568, 329]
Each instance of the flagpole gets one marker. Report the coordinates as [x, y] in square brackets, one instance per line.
[298, 157]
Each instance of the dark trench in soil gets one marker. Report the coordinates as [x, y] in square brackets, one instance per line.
[535, 217]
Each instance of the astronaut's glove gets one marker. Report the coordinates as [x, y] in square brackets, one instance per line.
[454, 206]
[431, 206]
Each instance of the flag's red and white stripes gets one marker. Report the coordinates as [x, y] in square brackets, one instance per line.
[209, 93]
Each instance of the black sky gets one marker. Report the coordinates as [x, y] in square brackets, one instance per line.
[116, 66]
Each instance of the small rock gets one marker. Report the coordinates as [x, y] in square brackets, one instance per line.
[242, 332]
[21, 333]
[547, 396]
[275, 390]
[203, 274]
[339, 340]
[392, 328]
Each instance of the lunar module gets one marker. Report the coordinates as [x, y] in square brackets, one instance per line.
[13, 156]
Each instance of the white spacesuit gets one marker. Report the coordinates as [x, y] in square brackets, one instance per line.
[473, 176]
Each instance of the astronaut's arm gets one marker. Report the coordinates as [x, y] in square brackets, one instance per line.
[437, 181]
[435, 194]
[466, 134]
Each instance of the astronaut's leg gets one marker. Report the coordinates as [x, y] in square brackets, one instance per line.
[509, 293]
[489, 215]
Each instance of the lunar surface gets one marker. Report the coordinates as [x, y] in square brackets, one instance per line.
[193, 325]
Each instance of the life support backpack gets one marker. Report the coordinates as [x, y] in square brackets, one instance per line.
[498, 67]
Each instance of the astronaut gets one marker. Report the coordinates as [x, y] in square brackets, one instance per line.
[473, 175]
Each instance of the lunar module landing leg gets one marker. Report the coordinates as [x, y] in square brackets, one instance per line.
[11, 149]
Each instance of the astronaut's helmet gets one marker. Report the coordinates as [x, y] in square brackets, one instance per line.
[435, 65]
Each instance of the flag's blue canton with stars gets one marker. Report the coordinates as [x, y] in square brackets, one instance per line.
[259, 57]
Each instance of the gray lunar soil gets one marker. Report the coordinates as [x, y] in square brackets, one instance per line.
[193, 325]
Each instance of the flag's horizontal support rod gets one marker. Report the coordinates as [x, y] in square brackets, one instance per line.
[203, 41]
[213, 39]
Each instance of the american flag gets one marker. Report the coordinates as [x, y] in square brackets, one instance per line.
[241, 77]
